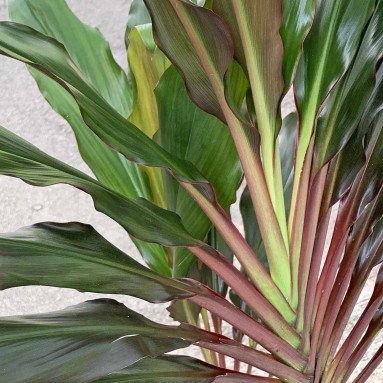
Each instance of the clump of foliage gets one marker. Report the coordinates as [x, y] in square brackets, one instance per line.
[168, 145]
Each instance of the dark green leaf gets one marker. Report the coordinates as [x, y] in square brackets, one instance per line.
[190, 133]
[213, 38]
[166, 369]
[57, 20]
[81, 343]
[74, 255]
[138, 216]
[297, 19]
[345, 105]
[252, 232]
[338, 25]
[27, 45]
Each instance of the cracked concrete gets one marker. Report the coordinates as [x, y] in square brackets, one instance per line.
[24, 112]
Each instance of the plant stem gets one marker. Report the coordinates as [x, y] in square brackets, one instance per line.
[245, 254]
[254, 330]
[308, 240]
[297, 212]
[271, 232]
[319, 245]
[208, 355]
[257, 359]
[247, 292]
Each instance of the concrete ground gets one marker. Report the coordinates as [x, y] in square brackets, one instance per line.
[24, 111]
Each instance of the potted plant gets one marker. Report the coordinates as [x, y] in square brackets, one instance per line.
[169, 145]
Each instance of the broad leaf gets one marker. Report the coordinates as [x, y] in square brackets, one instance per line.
[345, 105]
[190, 133]
[176, 369]
[338, 24]
[76, 256]
[147, 64]
[57, 20]
[172, 23]
[297, 19]
[139, 217]
[81, 343]
[47, 55]
[255, 28]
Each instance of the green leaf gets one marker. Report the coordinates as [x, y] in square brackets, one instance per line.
[211, 35]
[258, 48]
[166, 369]
[297, 19]
[139, 217]
[190, 133]
[147, 64]
[287, 139]
[252, 231]
[74, 255]
[57, 21]
[338, 25]
[81, 343]
[346, 104]
[50, 57]
[138, 15]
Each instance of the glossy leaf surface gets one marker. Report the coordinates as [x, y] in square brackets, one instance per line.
[297, 19]
[139, 217]
[76, 256]
[172, 369]
[188, 132]
[210, 39]
[338, 24]
[346, 104]
[81, 343]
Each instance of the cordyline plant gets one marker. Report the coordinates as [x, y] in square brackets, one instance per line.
[169, 145]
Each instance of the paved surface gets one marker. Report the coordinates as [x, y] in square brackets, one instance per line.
[24, 111]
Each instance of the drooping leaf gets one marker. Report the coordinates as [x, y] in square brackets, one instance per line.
[297, 19]
[345, 105]
[177, 369]
[164, 369]
[81, 343]
[214, 42]
[57, 20]
[45, 54]
[190, 133]
[139, 217]
[74, 255]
